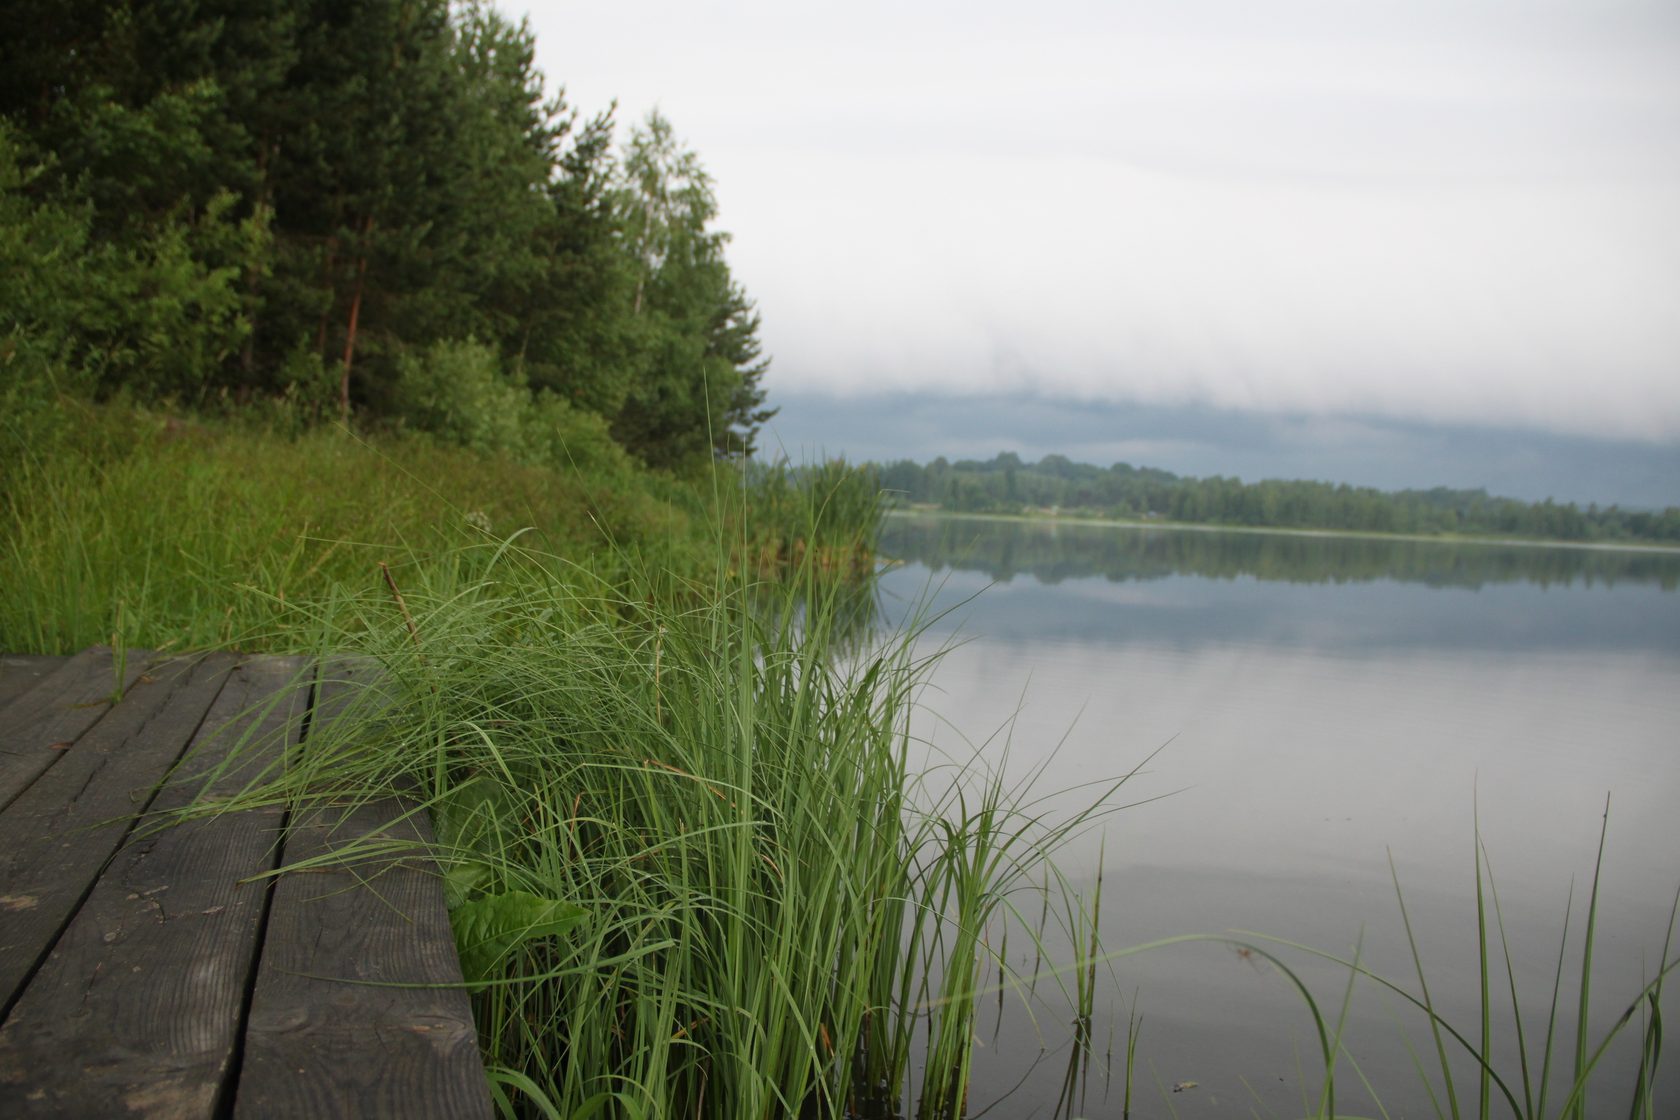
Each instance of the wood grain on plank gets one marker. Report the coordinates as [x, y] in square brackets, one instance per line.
[327, 1036]
[38, 726]
[138, 1010]
[21, 672]
[58, 834]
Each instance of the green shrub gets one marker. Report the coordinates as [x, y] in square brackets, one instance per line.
[457, 392]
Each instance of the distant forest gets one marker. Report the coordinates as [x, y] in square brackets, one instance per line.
[370, 210]
[1056, 484]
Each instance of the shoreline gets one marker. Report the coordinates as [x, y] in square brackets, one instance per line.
[1217, 527]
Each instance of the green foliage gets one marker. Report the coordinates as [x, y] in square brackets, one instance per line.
[152, 315]
[457, 391]
[698, 394]
[160, 319]
[43, 248]
[490, 928]
[230, 202]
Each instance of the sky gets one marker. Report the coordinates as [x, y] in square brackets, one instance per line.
[1318, 217]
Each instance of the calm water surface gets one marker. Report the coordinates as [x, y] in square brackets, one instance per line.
[1321, 705]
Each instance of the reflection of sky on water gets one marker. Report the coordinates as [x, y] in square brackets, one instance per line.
[1312, 729]
[1293, 759]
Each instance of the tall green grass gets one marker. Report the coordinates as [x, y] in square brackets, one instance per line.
[828, 514]
[691, 869]
[192, 533]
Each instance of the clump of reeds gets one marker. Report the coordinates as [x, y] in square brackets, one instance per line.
[825, 515]
[691, 871]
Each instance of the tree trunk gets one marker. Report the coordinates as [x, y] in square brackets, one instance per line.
[350, 343]
[350, 328]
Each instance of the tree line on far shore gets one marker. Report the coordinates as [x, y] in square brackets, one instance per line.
[373, 209]
[1007, 484]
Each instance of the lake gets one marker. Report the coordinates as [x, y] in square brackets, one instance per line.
[1319, 704]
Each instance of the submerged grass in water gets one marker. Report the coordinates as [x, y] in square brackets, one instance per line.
[1550, 1081]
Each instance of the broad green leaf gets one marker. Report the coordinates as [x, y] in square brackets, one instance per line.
[487, 929]
[461, 880]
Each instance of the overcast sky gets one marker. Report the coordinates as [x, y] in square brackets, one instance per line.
[1436, 211]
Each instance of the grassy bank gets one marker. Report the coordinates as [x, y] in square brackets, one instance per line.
[142, 528]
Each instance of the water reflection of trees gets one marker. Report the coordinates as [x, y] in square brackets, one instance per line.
[1054, 551]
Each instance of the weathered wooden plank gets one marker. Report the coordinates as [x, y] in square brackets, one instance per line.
[35, 726]
[139, 1008]
[57, 835]
[326, 1037]
[19, 672]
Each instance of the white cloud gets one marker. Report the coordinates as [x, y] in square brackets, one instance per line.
[1431, 210]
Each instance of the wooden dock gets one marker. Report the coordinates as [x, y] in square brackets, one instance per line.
[160, 972]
